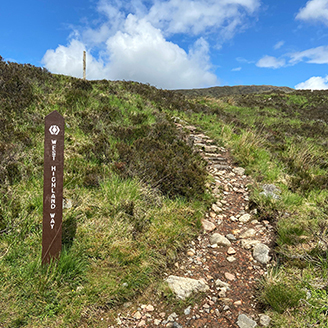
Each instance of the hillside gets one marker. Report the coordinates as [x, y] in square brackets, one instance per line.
[234, 90]
[135, 192]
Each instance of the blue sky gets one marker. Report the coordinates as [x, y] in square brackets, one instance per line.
[174, 43]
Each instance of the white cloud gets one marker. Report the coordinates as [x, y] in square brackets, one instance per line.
[314, 83]
[314, 10]
[195, 17]
[139, 53]
[317, 55]
[130, 39]
[278, 45]
[68, 61]
[237, 69]
[270, 62]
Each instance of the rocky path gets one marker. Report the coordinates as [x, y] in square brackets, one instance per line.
[225, 262]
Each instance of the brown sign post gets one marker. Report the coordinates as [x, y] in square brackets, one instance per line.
[53, 186]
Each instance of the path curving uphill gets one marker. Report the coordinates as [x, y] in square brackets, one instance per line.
[225, 262]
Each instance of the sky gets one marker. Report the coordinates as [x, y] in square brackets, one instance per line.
[172, 44]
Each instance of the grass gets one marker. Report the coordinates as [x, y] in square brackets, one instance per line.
[137, 194]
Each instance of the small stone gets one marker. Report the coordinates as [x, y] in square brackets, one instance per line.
[231, 251]
[220, 240]
[245, 322]
[248, 233]
[208, 226]
[249, 243]
[239, 170]
[220, 283]
[149, 308]
[172, 317]
[187, 311]
[190, 253]
[231, 259]
[222, 294]
[264, 320]
[212, 215]
[245, 218]
[137, 315]
[238, 303]
[142, 323]
[261, 253]
[231, 236]
[206, 306]
[270, 190]
[162, 315]
[216, 208]
[157, 322]
[229, 276]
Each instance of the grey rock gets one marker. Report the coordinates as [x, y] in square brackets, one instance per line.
[264, 320]
[261, 253]
[172, 317]
[270, 190]
[187, 311]
[245, 322]
[220, 240]
[177, 325]
[231, 237]
[67, 203]
[184, 287]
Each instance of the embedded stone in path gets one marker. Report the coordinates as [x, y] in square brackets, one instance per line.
[207, 225]
[261, 253]
[229, 276]
[245, 322]
[249, 243]
[216, 208]
[245, 218]
[184, 287]
[239, 170]
[247, 234]
[220, 283]
[220, 240]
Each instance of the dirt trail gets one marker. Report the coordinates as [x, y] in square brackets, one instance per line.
[233, 264]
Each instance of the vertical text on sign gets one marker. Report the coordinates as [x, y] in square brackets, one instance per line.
[53, 186]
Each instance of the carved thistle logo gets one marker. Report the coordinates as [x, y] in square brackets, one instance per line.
[54, 129]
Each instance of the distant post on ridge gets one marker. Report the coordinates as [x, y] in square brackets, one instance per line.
[84, 65]
[53, 186]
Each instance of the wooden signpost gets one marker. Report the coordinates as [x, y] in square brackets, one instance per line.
[53, 186]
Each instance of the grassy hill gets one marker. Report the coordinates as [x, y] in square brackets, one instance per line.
[137, 192]
[234, 90]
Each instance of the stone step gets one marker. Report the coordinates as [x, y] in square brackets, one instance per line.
[216, 159]
[221, 167]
